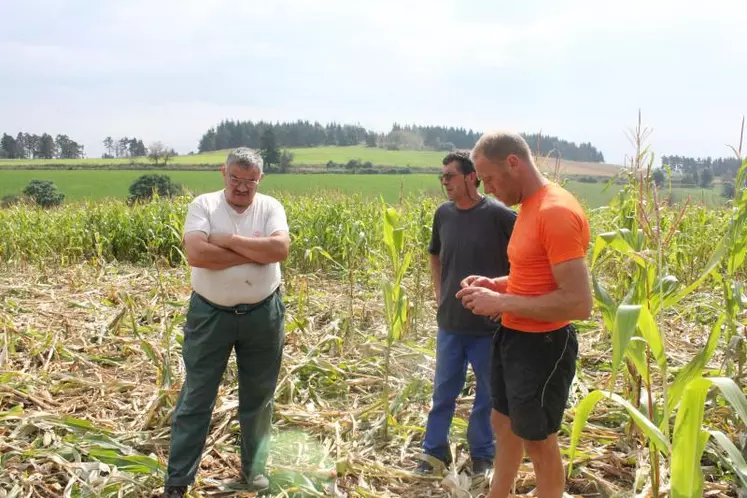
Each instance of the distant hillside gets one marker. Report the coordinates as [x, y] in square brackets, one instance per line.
[230, 134]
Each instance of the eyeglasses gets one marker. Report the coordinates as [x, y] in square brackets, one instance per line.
[239, 181]
[448, 176]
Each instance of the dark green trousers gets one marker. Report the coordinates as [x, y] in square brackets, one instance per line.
[257, 333]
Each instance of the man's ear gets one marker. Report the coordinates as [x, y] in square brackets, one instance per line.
[513, 161]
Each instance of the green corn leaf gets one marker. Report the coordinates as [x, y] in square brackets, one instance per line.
[148, 349]
[14, 413]
[622, 241]
[626, 319]
[583, 410]
[689, 438]
[605, 303]
[736, 460]
[687, 477]
[716, 257]
[137, 464]
[662, 290]
[636, 352]
[650, 331]
[77, 423]
[695, 367]
[730, 390]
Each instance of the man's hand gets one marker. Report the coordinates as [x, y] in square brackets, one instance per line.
[499, 284]
[482, 301]
[571, 300]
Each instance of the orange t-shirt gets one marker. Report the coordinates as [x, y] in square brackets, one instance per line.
[551, 228]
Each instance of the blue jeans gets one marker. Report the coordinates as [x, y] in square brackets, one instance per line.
[453, 351]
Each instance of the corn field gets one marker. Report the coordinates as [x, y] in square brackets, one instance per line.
[93, 296]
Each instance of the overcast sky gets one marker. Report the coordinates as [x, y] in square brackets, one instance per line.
[577, 69]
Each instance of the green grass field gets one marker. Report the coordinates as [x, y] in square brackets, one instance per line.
[79, 184]
[312, 156]
[303, 156]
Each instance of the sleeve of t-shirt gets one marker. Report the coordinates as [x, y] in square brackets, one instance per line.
[564, 234]
[435, 245]
[197, 219]
[276, 219]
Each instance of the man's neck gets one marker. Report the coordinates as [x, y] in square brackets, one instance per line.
[534, 182]
[238, 209]
[468, 202]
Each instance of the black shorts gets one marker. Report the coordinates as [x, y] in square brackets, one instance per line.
[531, 375]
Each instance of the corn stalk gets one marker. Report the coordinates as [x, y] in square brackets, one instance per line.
[636, 334]
[395, 296]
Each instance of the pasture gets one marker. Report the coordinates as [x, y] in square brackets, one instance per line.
[94, 185]
[309, 156]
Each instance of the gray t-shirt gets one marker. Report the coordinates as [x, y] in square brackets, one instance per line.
[469, 242]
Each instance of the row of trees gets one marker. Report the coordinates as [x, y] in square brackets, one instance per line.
[702, 179]
[442, 138]
[32, 146]
[229, 134]
[124, 147]
[701, 169]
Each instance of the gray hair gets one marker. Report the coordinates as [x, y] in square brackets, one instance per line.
[246, 158]
[498, 145]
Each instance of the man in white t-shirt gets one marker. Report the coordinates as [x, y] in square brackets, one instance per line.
[234, 240]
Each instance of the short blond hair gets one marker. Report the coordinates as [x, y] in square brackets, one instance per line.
[498, 145]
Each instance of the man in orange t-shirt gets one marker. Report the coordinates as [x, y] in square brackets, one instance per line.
[535, 348]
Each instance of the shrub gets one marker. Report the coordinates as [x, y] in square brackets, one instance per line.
[44, 193]
[145, 185]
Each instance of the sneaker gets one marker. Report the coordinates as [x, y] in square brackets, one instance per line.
[481, 466]
[174, 491]
[426, 465]
[259, 482]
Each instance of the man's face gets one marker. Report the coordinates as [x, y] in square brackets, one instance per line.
[453, 182]
[500, 179]
[241, 184]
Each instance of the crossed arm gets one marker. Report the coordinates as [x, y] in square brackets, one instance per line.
[570, 301]
[223, 250]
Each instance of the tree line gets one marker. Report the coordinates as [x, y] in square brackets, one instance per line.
[702, 170]
[124, 147]
[134, 147]
[32, 146]
[230, 134]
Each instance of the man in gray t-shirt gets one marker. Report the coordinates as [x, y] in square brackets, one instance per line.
[469, 237]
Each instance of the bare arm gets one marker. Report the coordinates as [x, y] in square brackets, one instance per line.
[262, 250]
[570, 301]
[436, 275]
[202, 254]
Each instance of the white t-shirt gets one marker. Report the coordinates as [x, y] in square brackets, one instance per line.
[247, 283]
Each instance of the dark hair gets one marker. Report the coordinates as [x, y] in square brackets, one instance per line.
[464, 163]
